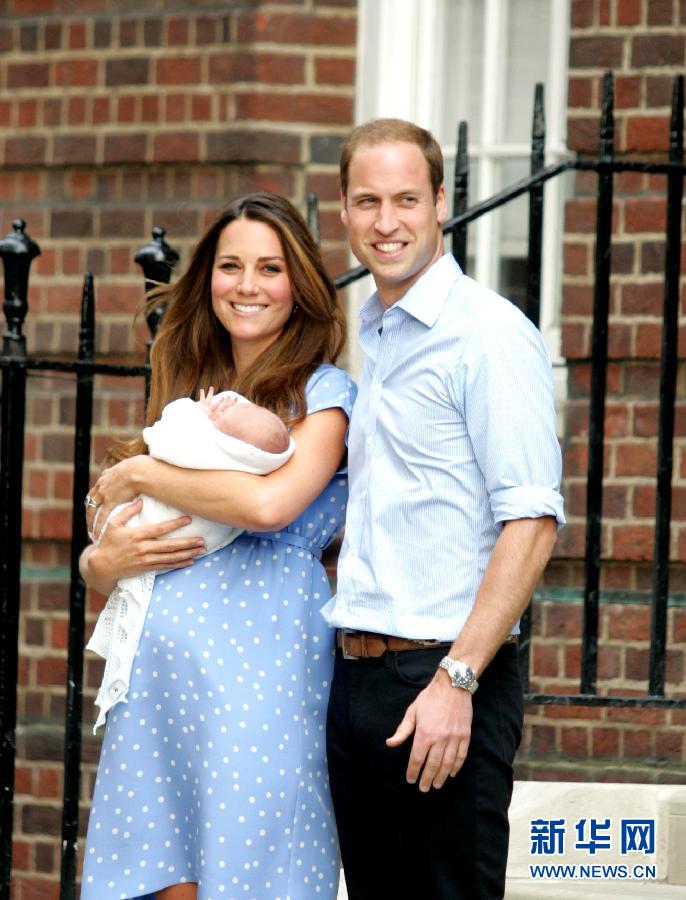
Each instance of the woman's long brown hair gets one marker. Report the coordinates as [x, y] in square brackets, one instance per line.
[192, 350]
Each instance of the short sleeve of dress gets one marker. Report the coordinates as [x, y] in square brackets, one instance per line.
[330, 387]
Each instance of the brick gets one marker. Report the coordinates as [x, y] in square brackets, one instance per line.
[42, 820]
[76, 110]
[660, 12]
[121, 148]
[581, 13]
[642, 299]
[296, 28]
[595, 52]
[267, 68]
[652, 256]
[201, 107]
[574, 742]
[122, 222]
[545, 661]
[669, 745]
[605, 743]
[325, 148]
[658, 91]
[608, 662]
[642, 380]
[48, 783]
[644, 501]
[253, 146]
[579, 92]
[583, 134]
[176, 147]
[644, 214]
[645, 419]
[45, 858]
[102, 34]
[563, 620]
[25, 151]
[334, 70]
[178, 29]
[76, 73]
[619, 340]
[126, 108]
[645, 133]
[580, 215]
[152, 32]
[132, 70]
[150, 108]
[628, 623]
[77, 36]
[27, 113]
[317, 108]
[175, 108]
[207, 30]
[74, 150]
[632, 542]
[638, 744]
[648, 340]
[627, 91]
[178, 70]
[28, 75]
[575, 259]
[128, 33]
[71, 223]
[636, 459]
[622, 262]
[28, 38]
[657, 50]
[604, 12]
[629, 12]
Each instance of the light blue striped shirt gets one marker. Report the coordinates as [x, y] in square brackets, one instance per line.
[452, 434]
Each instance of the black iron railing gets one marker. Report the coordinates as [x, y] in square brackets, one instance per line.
[157, 260]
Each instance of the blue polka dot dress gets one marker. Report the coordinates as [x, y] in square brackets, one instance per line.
[214, 771]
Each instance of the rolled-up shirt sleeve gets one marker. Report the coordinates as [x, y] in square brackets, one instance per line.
[506, 387]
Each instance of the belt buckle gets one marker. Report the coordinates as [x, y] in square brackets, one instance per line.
[343, 633]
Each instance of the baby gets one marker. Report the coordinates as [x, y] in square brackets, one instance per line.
[236, 417]
[223, 431]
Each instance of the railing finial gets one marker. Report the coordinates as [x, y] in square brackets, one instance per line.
[17, 251]
[157, 259]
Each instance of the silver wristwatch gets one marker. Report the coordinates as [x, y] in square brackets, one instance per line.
[461, 675]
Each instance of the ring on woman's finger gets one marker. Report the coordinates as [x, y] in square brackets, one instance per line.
[90, 503]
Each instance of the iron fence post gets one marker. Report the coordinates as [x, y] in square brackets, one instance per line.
[77, 598]
[596, 438]
[461, 195]
[157, 259]
[668, 372]
[17, 251]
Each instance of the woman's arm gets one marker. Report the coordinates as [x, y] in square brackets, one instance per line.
[125, 551]
[253, 502]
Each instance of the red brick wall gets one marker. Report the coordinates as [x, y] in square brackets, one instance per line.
[114, 117]
[644, 43]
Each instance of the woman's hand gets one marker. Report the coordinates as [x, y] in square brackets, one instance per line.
[118, 484]
[125, 551]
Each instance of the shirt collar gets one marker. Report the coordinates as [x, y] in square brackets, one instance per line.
[425, 299]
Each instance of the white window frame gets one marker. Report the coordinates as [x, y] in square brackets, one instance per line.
[400, 58]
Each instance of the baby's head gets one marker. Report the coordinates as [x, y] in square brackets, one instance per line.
[254, 425]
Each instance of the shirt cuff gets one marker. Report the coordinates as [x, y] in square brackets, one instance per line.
[528, 502]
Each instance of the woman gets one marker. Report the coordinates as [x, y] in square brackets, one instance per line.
[212, 780]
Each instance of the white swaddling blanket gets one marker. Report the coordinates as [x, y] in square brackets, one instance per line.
[183, 436]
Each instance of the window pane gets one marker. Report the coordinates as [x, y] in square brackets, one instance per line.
[464, 25]
[527, 63]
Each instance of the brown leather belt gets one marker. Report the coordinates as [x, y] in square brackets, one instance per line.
[368, 645]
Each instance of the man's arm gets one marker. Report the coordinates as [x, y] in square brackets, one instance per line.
[441, 716]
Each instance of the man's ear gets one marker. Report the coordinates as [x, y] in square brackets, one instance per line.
[441, 205]
[344, 211]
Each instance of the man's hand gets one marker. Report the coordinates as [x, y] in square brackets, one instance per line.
[441, 719]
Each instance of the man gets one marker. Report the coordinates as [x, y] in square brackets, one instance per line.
[454, 504]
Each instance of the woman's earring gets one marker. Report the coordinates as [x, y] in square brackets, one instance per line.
[294, 309]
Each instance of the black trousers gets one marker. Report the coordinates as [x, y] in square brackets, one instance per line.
[396, 842]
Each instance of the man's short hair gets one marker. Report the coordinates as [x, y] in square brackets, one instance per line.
[385, 131]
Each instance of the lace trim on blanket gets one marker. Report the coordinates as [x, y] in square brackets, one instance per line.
[116, 638]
